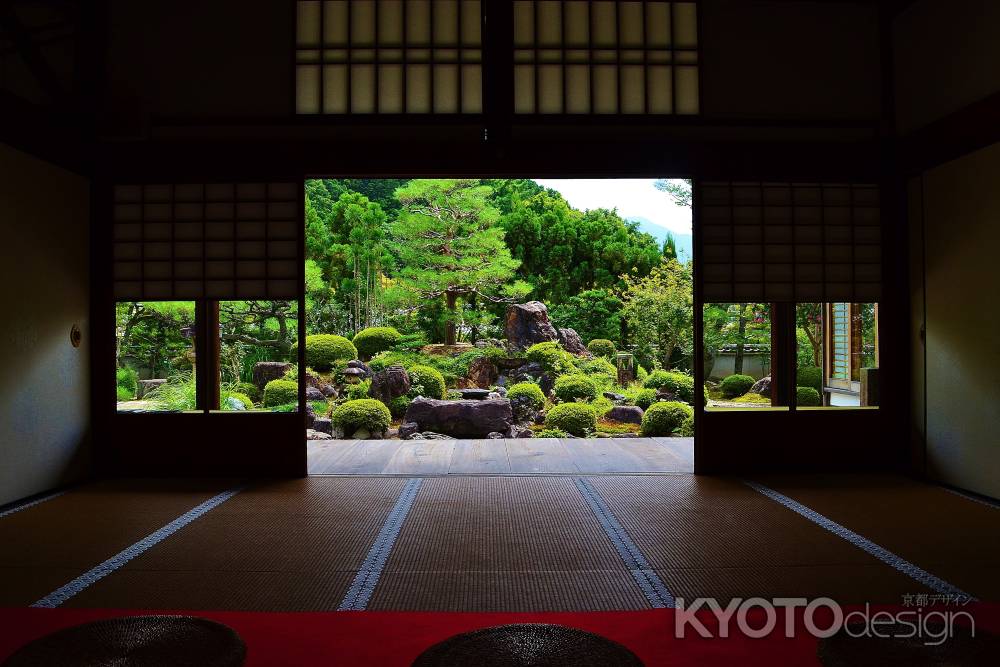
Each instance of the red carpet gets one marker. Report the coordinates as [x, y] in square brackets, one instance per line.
[396, 638]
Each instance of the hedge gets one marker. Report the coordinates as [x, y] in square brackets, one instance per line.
[736, 385]
[577, 419]
[681, 384]
[363, 413]
[324, 351]
[529, 390]
[569, 388]
[662, 419]
[602, 347]
[427, 378]
[809, 376]
[551, 356]
[373, 340]
[807, 397]
[280, 392]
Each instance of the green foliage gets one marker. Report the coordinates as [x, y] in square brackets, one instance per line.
[242, 398]
[551, 433]
[662, 419]
[601, 406]
[592, 313]
[600, 370]
[681, 384]
[643, 398]
[552, 357]
[575, 387]
[426, 381]
[150, 334]
[807, 397]
[280, 392]
[125, 394]
[249, 389]
[660, 316]
[177, 394]
[127, 378]
[577, 419]
[687, 427]
[354, 392]
[411, 342]
[325, 351]
[363, 413]
[809, 376]
[373, 340]
[736, 385]
[530, 390]
[602, 347]
[640, 374]
[756, 399]
[397, 406]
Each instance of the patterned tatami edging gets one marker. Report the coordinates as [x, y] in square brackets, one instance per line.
[74, 587]
[360, 593]
[646, 578]
[889, 558]
[31, 502]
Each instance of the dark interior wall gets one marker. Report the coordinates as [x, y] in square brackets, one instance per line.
[801, 60]
[45, 398]
[947, 56]
[761, 59]
[218, 58]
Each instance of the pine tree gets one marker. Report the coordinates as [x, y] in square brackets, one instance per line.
[449, 246]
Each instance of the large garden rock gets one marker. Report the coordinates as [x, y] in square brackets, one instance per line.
[517, 431]
[317, 435]
[468, 419]
[265, 371]
[391, 383]
[762, 387]
[572, 343]
[527, 324]
[627, 414]
[482, 373]
[323, 425]
[314, 394]
[474, 394]
[407, 429]
[546, 383]
[615, 398]
[528, 371]
[524, 411]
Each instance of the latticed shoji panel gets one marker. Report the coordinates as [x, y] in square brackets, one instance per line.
[605, 57]
[804, 242]
[219, 240]
[389, 57]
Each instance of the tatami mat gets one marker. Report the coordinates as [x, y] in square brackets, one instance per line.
[716, 537]
[953, 537]
[286, 546]
[504, 543]
[46, 545]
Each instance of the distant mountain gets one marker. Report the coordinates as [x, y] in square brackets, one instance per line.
[684, 241]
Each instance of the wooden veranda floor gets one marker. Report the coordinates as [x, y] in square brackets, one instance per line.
[507, 456]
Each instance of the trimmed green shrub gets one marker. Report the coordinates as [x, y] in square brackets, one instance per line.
[248, 388]
[125, 394]
[602, 347]
[397, 406]
[807, 397]
[577, 419]
[242, 398]
[601, 371]
[753, 398]
[551, 433]
[127, 378]
[373, 340]
[363, 413]
[640, 374]
[681, 384]
[529, 389]
[601, 406]
[662, 419]
[575, 387]
[809, 376]
[324, 351]
[552, 357]
[354, 392]
[426, 381]
[736, 385]
[687, 427]
[644, 398]
[280, 392]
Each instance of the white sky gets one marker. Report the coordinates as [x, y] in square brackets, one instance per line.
[633, 197]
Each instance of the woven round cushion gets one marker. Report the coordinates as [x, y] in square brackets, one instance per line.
[136, 641]
[527, 644]
[961, 649]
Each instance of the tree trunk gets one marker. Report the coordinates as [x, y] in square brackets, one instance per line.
[451, 299]
[738, 362]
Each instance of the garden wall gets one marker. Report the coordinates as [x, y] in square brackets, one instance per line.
[45, 395]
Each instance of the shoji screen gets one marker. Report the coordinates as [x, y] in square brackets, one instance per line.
[218, 240]
[389, 56]
[789, 242]
[604, 57]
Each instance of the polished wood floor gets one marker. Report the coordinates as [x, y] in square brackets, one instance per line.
[498, 457]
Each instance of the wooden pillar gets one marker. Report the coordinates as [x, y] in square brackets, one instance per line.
[214, 351]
